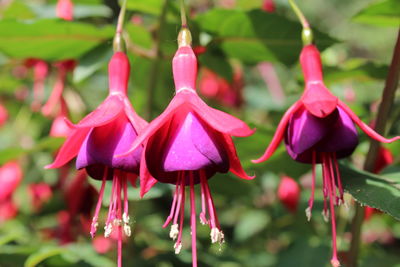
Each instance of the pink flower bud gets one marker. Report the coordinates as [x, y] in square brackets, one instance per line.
[289, 193]
[65, 9]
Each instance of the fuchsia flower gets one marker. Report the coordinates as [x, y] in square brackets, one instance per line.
[186, 145]
[65, 9]
[40, 72]
[106, 132]
[10, 178]
[289, 193]
[319, 128]
[63, 68]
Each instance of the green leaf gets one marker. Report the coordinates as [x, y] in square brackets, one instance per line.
[250, 224]
[92, 62]
[256, 36]
[380, 192]
[146, 6]
[47, 143]
[80, 11]
[41, 255]
[382, 13]
[50, 39]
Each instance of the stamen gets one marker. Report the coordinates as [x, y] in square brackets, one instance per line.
[174, 231]
[339, 179]
[332, 178]
[178, 244]
[127, 227]
[171, 213]
[125, 217]
[193, 221]
[203, 213]
[217, 236]
[334, 260]
[311, 200]
[118, 221]
[95, 224]
[178, 247]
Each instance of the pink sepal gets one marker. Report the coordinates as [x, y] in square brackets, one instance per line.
[70, 148]
[146, 180]
[364, 127]
[234, 162]
[280, 132]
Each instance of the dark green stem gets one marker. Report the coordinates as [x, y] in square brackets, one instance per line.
[385, 107]
[155, 67]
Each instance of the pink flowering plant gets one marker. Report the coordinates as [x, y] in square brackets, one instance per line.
[199, 133]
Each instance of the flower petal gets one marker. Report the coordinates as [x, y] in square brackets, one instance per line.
[280, 131]
[342, 138]
[364, 127]
[234, 163]
[105, 141]
[146, 180]
[112, 106]
[220, 121]
[156, 124]
[70, 148]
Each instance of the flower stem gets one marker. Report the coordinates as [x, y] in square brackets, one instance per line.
[119, 43]
[183, 14]
[307, 35]
[154, 71]
[388, 97]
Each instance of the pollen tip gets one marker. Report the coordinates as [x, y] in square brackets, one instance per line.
[325, 214]
[178, 247]
[308, 213]
[107, 230]
[217, 236]
[174, 231]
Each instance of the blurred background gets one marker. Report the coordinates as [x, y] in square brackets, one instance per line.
[53, 66]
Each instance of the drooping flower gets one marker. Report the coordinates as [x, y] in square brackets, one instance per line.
[40, 72]
[65, 9]
[289, 193]
[186, 145]
[10, 177]
[319, 128]
[63, 67]
[106, 132]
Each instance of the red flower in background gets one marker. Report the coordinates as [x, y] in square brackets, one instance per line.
[40, 72]
[289, 193]
[39, 193]
[215, 87]
[3, 115]
[10, 177]
[60, 127]
[63, 68]
[65, 9]
[268, 6]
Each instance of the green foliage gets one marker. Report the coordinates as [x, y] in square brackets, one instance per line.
[259, 232]
[381, 13]
[380, 192]
[50, 39]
